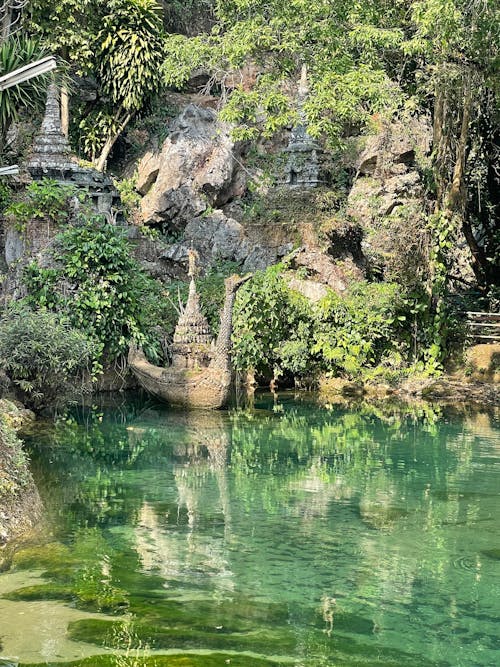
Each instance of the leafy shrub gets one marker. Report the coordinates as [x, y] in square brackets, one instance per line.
[354, 331]
[130, 198]
[43, 355]
[100, 288]
[43, 200]
[278, 330]
[5, 195]
[14, 472]
[272, 326]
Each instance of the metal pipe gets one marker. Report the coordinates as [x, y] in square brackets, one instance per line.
[27, 72]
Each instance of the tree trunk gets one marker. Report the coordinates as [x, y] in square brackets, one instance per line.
[64, 101]
[110, 142]
[64, 110]
[439, 144]
[6, 17]
[457, 193]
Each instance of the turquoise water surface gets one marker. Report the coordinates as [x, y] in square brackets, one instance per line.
[289, 533]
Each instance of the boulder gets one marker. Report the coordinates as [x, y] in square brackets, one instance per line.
[196, 169]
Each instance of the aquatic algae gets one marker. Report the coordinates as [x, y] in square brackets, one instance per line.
[41, 592]
[238, 614]
[492, 554]
[42, 556]
[81, 573]
[105, 633]
[205, 660]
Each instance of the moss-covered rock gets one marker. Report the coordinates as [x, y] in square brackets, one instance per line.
[19, 500]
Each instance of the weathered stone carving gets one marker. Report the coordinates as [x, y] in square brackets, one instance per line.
[52, 157]
[201, 374]
[192, 339]
[303, 165]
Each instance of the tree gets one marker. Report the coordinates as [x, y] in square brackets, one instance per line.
[456, 44]
[68, 29]
[10, 16]
[347, 49]
[119, 43]
[130, 49]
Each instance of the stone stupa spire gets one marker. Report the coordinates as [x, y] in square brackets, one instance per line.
[51, 150]
[192, 336]
[302, 169]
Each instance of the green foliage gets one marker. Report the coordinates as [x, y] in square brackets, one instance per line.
[354, 331]
[93, 131]
[120, 44]
[129, 52]
[278, 331]
[67, 28]
[129, 197]
[15, 52]
[43, 355]
[14, 471]
[345, 47]
[270, 325]
[43, 200]
[443, 230]
[99, 287]
[6, 195]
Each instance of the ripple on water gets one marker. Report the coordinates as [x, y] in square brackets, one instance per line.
[467, 563]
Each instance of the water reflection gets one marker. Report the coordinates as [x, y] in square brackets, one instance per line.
[332, 533]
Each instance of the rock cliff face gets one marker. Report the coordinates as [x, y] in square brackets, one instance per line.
[195, 189]
[188, 186]
[387, 197]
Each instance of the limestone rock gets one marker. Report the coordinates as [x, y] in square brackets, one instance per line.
[147, 172]
[394, 147]
[311, 289]
[387, 199]
[196, 168]
[387, 173]
[217, 238]
[371, 199]
[324, 269]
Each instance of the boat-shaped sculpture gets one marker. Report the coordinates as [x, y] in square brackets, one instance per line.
[201, 374]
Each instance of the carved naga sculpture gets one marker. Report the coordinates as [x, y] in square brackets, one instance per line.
[200, 375]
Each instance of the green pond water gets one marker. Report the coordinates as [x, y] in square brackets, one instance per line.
[288, 533]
